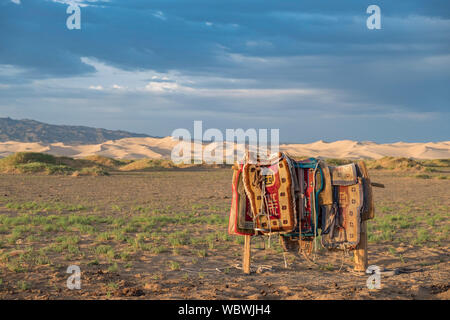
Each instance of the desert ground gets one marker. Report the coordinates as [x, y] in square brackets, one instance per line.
[162, 234]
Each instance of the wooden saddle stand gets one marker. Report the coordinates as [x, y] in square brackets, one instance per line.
[299, 199]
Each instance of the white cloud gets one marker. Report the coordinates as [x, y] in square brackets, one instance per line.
[160, 15]
[164, 78]
[11, 71]
[155, 86]
[80, 3]
[96, 88]
[194, 86]
[15, 1]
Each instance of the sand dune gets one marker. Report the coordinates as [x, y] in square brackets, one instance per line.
[370, 150]
[135, 148]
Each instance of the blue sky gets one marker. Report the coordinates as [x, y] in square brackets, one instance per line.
[310, 68]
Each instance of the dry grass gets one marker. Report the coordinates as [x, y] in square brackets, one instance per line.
[393, 163]
[107, 162]
[31, 162]
[147, 164]
[91, 171]
[41, 163]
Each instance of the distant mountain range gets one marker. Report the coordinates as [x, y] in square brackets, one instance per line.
[34, 131]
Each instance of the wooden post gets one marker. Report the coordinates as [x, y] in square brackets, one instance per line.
[361, 259]
[360, 254]
[246, 258]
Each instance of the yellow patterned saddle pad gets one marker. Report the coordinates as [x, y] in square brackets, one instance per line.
[270, 192]
[352, 203]
[341, 224]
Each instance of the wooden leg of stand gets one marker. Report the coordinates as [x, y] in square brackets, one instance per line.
[246, 261]
[361, 250]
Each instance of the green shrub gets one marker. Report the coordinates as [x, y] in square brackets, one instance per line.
[28, 157]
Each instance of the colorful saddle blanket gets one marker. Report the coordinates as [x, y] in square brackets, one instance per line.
[299, 198]
[309, 184]
[241, 219]
[352, 201]
[269, 187]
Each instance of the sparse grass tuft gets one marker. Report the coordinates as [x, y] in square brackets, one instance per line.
[23, 285]
[393, 163]
[91, 171]
[422, 176]
[173, 265]
[105, 161]
[148, 164]
[422, 237]
[113, 268]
